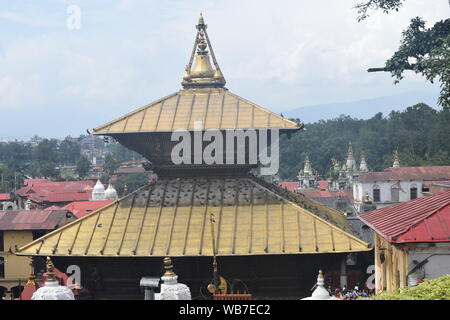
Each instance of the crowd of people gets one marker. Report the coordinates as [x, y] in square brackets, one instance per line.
[351, 294]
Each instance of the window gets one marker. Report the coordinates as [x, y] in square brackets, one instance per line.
[413, 193]
[1, 241]
[395, 194]
[376, 195]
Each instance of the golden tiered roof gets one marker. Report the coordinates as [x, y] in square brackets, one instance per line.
[203, 98]
[171, 217]
[216, 108]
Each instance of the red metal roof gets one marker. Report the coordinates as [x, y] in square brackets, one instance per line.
[408, 173]
[31, 181]
[31, 219]
[429, 183]
[291, 186]
[82, 208]
[28, 291]
[327, 193]
[51, 191]
[323, 185]
[5, 196]
[425, 219]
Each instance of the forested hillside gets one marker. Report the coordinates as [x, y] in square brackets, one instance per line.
[420, 133]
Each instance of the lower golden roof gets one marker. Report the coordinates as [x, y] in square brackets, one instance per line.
[171, 217]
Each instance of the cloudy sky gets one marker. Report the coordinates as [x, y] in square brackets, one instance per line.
[57, 81]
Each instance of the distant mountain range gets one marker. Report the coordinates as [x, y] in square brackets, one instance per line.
[361, 109]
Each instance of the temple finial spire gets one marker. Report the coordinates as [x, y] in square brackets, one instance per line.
[201, 21]
[203, 74]
[396, 163]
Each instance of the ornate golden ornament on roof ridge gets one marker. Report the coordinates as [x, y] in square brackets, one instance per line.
[202, 75]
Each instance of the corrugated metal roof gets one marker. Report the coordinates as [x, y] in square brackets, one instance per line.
[425, 219]
[291, 186]
[215, 108]
[327, 193]
[171, 217]
[31, 219]
[57, 191]
[408, 173]
[81, 208]
[323, 185]
[429, 183]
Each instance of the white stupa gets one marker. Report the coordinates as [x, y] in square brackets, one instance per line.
[52, 290]
[98, 193]
[171, 289]
[363, 164]
[111, 193]
[320, 293]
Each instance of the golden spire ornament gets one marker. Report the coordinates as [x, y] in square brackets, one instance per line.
[50, 270]
[203, 74]
[168, 267]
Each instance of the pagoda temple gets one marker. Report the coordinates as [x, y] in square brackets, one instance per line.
[269, 238]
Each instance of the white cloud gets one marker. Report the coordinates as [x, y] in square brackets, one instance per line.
[128, 53]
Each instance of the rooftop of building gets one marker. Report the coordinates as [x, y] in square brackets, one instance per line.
[172, 217]
[291, 186]
[425, 219]
[425, 173]
[56, 191]
[82, 208]
[34, 219]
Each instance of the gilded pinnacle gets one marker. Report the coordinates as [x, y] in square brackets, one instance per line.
[201, 23]
[201, 73]
[50, 270]
[168, 267]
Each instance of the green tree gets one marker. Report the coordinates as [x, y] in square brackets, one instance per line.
[132, 183]
[423, 50]
[420, 133]
[69, 151]
[46, 158]
[83, 166]
[121, 153]
[110, 166]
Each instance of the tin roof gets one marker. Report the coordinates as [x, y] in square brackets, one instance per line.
[172, 217]
[82, 208]
[31, 219]
[408, 173]
[291, 186]
[330, 198]
[425, 219]
[57, 191]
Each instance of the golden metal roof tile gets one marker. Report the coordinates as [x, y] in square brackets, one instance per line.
[170, 217]
[216, 109]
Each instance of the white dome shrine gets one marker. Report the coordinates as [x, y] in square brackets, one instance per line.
[98, 193]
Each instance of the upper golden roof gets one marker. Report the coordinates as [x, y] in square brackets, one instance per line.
[171, 217]
[203, 98]
[216, 109]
